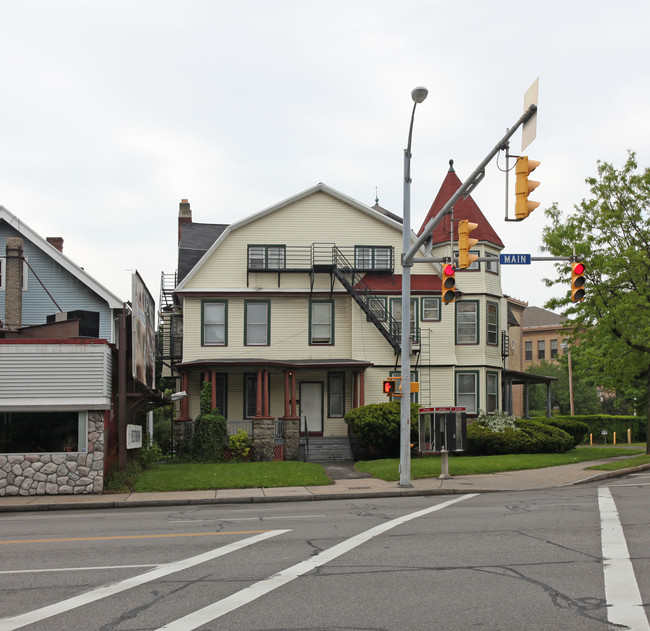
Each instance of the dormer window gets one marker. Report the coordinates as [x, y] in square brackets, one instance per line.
[266, 256]
[376, 257]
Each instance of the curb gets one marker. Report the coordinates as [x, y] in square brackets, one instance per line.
[349, 495]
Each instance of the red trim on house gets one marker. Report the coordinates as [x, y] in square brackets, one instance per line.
[464, 208]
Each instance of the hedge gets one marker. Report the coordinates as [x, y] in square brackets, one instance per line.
[376, 428]
[576, 429]
[619, 424]
[529, 437]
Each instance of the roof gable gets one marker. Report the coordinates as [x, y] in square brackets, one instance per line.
[464, 208]
[47, 248]
[318, 189]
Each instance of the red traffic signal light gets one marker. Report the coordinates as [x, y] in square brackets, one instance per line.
[448, 283]
[577, 282]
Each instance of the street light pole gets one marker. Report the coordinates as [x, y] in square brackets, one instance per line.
[418, 95]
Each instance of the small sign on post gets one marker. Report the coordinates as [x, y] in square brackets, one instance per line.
[133, 436]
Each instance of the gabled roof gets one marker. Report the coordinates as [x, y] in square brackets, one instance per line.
[464, 208]
[111, 299]
[196, 239]
[319, 188]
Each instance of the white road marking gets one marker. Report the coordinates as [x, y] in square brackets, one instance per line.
[31, 617]
[248, 594]
[258, 519]
[624, 603]
[79, 569]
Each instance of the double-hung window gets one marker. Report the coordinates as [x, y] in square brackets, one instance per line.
[431, 309]
[467, 322]
[215, 318]
[266, 256]
[492, 322]
[529, 351]
[321, 322]
[336, 394]
[493, 264]
[541, 349]
[396, 312]
[492, 392]
[553, 349]
[373, 257]
[467, 391]
[257, 322]
[3, 273]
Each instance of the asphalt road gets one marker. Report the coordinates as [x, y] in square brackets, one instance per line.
[511, 560]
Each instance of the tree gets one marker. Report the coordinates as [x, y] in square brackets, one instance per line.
[610, 231]
[585, 395]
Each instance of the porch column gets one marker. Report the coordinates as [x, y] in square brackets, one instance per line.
[258, 399]
[362, 387]
[265, 390]
[293, 395]
[526, 413]
[548, 400]
[289, 395]
[355, 389]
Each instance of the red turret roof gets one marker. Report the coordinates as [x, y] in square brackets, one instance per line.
[464, 208]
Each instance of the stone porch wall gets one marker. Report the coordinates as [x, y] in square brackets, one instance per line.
[57, 473]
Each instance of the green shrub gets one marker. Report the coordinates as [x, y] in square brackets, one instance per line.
[521, 436]
[208, 438]
[620, 424]
[576, 429]
[376, 428]
[240, 446]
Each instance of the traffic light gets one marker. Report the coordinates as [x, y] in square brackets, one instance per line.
[465, 244]
[448, 283]
[577, 282]
[391, 388]
[523, 187]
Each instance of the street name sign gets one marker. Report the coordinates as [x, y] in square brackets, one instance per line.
[514, 259]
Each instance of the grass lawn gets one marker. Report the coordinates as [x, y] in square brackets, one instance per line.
[236, 475]
[623, 464]
[428, 467]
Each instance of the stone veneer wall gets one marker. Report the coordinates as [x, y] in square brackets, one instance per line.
[57, 473]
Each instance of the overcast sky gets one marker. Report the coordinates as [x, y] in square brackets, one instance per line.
[113, 111]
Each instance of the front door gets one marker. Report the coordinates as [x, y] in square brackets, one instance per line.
[311, 407]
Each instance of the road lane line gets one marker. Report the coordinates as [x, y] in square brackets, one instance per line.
[243, 597]
[116, 537]
[31, 617]
[80, 569]
[624, 603]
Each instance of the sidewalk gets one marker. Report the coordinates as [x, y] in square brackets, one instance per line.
[350, 488]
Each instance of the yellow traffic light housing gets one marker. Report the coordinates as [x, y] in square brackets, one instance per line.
[465, 244]
[448, 283]
[523, 187]
[577, 282]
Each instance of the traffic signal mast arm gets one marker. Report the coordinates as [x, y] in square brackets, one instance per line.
[465, 188]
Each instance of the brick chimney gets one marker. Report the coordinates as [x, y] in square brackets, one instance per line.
[184, 216]
[14, 289]
[57, 242]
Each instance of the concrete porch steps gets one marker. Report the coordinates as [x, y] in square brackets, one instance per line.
[329, 449]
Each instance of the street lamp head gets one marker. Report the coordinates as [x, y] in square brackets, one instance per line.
[419, 94]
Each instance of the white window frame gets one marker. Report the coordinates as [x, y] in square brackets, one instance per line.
[321, 322]
[3, 273]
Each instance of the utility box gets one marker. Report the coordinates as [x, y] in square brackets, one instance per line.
[443, 429]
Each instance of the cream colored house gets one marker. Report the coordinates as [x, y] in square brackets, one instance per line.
[295, 312]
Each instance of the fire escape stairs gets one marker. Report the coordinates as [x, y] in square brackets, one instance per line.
[373, 306]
